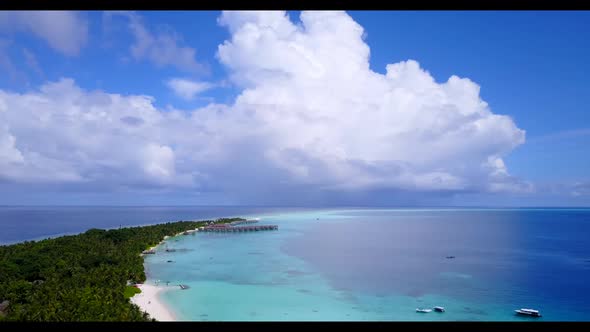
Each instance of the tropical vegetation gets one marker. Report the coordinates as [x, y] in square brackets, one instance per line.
[81, 277]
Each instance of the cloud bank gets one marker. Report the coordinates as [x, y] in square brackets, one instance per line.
[312, 119]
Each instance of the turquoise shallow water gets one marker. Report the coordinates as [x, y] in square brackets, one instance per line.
[380, 265]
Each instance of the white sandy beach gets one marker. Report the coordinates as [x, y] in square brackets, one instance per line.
[148, 300]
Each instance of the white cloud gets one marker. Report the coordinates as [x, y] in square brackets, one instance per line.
[163, 48]
[312, 87]
[580, 189]
[187, 89]
[158, 161]
[65, 134]
[8, 153]
[311, 117]
[64, 31]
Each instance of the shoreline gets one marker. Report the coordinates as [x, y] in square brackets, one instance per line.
[153, 248]
[149, 301]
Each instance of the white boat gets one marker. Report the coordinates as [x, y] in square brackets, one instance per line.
[528, 312]
[423, 310]
[439, 309]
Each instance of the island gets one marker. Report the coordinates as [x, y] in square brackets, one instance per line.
[84, 277]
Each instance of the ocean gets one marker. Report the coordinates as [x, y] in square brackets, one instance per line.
[355, 264]
[22, 223]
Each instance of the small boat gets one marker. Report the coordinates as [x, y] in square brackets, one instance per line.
[423, 310]
[450, 257]
[439, 309]
[183, 286]
[528, 312]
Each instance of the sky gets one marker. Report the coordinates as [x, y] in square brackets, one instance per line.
[359, 108]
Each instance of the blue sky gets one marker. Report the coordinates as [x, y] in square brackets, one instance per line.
[262, 108]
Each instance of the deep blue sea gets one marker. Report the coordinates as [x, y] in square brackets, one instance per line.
[355, 264]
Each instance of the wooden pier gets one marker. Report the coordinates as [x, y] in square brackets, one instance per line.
[234, 229]
[234, 223]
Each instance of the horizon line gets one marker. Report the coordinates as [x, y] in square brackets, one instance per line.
[310, 206]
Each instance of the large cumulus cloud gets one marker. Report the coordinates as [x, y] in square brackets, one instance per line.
[335, 122]
[312, 118]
